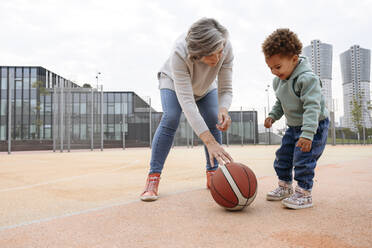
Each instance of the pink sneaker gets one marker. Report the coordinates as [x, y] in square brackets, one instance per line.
[151, 189]
[209, 178]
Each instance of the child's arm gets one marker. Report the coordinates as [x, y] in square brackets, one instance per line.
[277, 111]
[311, 97]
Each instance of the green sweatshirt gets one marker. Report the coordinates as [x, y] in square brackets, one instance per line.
[299, 98]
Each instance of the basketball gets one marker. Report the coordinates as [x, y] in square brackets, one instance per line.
[234, 186]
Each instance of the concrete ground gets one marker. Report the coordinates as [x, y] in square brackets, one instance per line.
[90, 199]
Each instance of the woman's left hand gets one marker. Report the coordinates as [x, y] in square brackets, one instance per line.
[224, 120]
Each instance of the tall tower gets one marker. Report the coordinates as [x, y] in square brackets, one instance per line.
[356, 69]
[320, 57]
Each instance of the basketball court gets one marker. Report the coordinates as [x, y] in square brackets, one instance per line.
[91, 199]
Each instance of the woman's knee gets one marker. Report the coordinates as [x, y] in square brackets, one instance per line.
[170, 120]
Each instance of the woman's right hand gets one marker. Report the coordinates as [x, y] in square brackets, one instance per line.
[215, 150]
[269, 122]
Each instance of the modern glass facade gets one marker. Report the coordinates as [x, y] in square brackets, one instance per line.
[51, 112]
[320, 56]
[356, 69]
[31, 107]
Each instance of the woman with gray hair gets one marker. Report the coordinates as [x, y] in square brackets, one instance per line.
[187, 83]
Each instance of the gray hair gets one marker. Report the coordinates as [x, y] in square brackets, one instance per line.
[205, 37]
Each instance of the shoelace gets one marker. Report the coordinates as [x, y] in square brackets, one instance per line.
[153, 181]
[278, 190]
[297, 197]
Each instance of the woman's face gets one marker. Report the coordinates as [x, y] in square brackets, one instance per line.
[213, 59]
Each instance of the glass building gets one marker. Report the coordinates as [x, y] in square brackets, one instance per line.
[320, 57]
[356, 70]
[51, 112]
[31, 109]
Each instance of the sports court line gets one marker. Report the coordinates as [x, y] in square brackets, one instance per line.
[3, 228]
[64, 179]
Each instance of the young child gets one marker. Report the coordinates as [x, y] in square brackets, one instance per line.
[299, 98]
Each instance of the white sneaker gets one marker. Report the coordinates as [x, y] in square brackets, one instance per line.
[299, 200]
[284, 190]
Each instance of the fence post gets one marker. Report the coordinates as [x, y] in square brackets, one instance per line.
[254, 126]
[150, 123]
[187, 135]
[69, 105]
[54, 114]
[101, 117]
[192, 137]
[333, 131]
[91, 122]
[241, 124]
[123, 124]
[227, 136]
[62, 119]
[10, 118]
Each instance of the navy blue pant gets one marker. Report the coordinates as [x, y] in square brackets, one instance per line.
[289, 156]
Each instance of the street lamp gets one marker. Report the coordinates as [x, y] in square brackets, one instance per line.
[268, 108]
[97, 78]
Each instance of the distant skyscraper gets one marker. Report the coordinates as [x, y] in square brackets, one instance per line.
[320, 57]
[356, 69]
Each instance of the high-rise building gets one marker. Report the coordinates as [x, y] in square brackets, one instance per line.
[320, 57]
[356, 69]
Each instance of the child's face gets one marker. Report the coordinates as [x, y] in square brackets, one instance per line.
[282, 66]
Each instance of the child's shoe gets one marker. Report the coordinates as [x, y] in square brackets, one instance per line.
[300, 199]
[151, 189]
[209, 178]
[283, 191]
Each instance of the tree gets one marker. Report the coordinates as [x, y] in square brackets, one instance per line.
[357, 113]
[40, 91]
[87, 86]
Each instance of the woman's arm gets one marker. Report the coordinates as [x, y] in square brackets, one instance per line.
[185, 96]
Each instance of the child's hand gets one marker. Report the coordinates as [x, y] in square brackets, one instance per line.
[305, 144]
[269, 122]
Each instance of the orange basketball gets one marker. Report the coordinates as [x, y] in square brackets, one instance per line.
[234, 186]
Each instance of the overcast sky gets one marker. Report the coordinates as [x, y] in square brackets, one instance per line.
[128, 41]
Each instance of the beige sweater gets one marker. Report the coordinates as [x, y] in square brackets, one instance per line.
[193, 80]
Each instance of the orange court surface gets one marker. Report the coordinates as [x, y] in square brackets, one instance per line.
[91, 199]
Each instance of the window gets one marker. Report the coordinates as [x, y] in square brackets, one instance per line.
[4, 106]
[117, 97]
[118, 108]
[2, 132]
[83, 108]
[111, 97]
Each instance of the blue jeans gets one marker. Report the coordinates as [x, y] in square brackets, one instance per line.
[304, 163]
[163, 138]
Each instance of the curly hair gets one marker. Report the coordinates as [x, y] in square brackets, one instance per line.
[282, 41]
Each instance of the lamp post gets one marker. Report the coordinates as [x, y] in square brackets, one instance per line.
[98, 73]
[268, 108]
